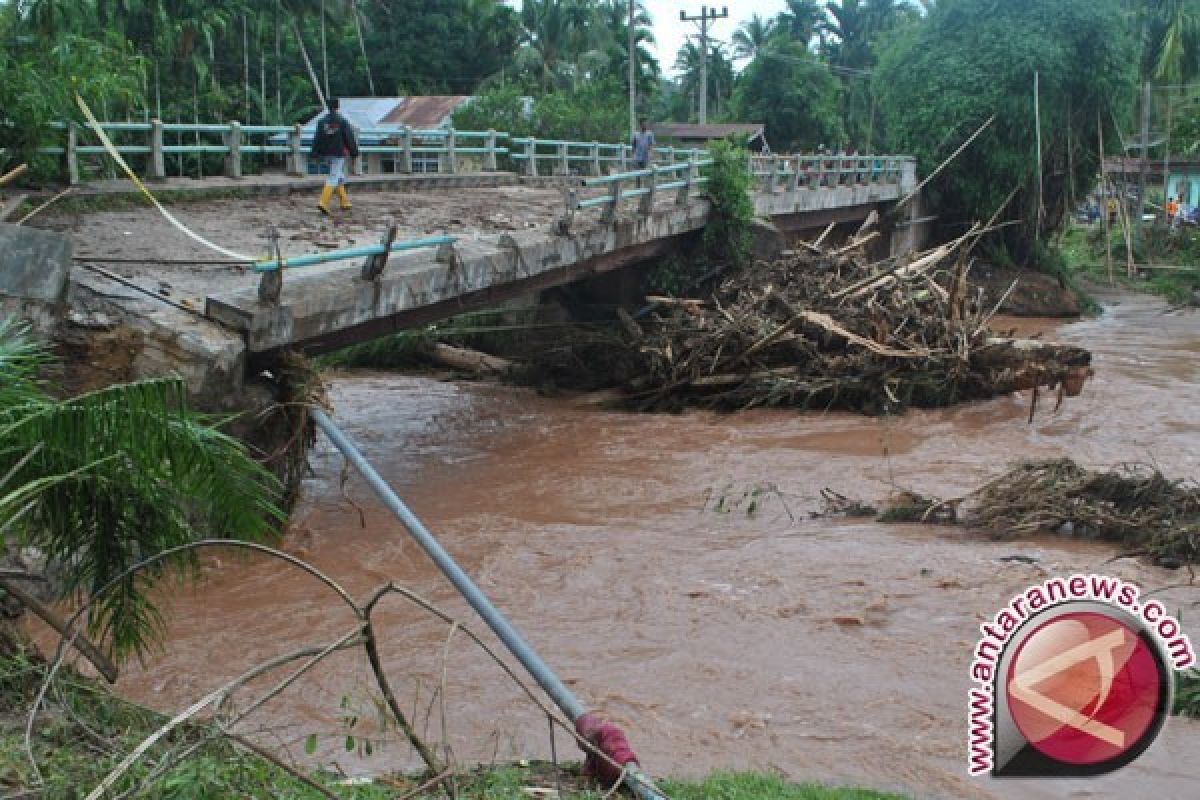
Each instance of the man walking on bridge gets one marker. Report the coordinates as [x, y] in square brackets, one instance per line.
[333, 143]
[643, 146]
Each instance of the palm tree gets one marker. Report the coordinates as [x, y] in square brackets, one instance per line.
[98, 482]
[612, 17]
[720, 73]
[556, 34]
[752, 36]
[802, 20]
[1172, 40]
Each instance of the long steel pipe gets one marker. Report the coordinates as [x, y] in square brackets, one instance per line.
[559, 693]
[634, 779]
[310, 259]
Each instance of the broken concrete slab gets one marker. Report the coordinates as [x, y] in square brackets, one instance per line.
[34, 264]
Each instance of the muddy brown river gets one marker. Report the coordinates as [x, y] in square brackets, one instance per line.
[668, 567]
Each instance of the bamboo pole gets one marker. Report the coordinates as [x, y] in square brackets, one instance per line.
[946, 163]
[1104, 201]
[362, 45]
[1037, 126]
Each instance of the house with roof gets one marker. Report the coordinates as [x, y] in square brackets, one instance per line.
[379, 121]
[689, 134]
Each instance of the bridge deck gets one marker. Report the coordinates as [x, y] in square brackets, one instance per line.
[507, 244]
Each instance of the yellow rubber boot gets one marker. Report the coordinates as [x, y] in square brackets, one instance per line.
[344, 198]
[326, 196]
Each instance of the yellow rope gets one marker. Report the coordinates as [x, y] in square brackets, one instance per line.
[112, 151]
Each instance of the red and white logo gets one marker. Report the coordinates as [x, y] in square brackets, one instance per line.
[1073, 678]
[1085, 689]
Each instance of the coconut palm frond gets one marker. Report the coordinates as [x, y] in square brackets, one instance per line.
[106, 479]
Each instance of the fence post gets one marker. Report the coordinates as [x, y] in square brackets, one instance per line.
[406, 161]
[233, 159]
[72, 153]
[610, 211]
[451, 151]
[596, 159]
[647, 200]
[531, 157]
[296, 159]
[685, 191]
[794, 181]
[564, 164]
[489, 158]
[773, 175]
[624, 158]
[158, 162]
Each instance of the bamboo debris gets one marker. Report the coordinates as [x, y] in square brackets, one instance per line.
[820, 329]
[1133, 504]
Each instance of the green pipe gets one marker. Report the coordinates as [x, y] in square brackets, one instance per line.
[354, 252]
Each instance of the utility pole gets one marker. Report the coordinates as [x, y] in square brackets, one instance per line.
[632, 68]
[1145, 158]
[707, 16]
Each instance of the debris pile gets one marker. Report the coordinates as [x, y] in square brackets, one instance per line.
[1132, 504]
[822, 327]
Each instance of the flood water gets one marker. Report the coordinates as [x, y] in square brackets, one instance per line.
[668, 567]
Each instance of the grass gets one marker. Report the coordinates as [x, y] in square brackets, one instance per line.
[1187, 694]
[86, 731]
[1082, 249]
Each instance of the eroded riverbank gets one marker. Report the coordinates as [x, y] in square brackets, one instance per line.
[828, 650]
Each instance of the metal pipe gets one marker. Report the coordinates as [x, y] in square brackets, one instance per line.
[310, 259]
[495, 620]
[541, 672]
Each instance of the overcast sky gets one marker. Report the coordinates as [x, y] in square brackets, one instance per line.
[670, 32]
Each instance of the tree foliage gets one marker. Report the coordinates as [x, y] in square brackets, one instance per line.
[794, 94]
[976, 58]
[99, 482]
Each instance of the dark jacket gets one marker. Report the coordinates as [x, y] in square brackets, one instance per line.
[334, 137]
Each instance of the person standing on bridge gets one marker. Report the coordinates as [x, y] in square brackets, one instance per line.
[333, 143]
[643, 146]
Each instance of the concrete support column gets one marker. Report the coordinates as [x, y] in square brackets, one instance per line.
[451, 152]
[489, 158]
[158, 161]
[233, 159]
[72, 153]
[296, 159]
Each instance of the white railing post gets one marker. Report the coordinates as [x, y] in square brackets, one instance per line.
[158, 161]
[610, 211]
[406, 154]
[647, 200]
[773, 175]
[72, 153]
[794, 180]
[233, 158]
[596, 159]
[685, 191]
[296, 159]
[624, 158]
[451, 151]
[531, 157]
[564, 163]
[489, 158]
